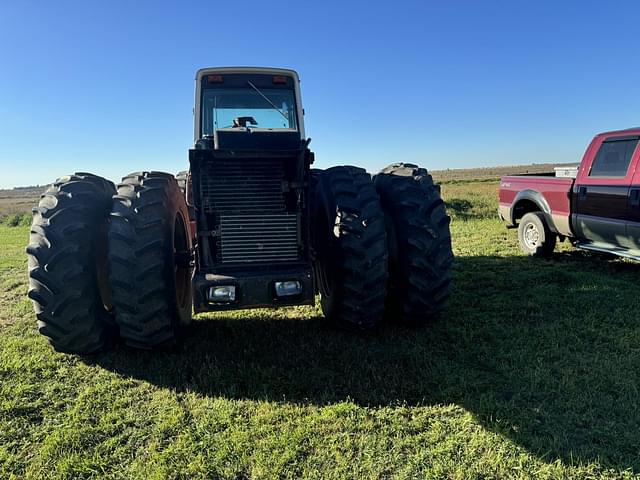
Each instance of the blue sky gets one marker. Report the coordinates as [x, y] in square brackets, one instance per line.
[107, 87]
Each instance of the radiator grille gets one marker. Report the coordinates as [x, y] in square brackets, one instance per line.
[243, 185]
[258, 238]
[245, 199]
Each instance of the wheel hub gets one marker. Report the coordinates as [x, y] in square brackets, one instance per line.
[531, 236]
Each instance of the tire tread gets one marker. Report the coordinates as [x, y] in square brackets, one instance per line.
[68, 224]
[420, 271]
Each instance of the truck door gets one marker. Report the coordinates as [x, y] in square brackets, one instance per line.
[633, 224]
[601, 192]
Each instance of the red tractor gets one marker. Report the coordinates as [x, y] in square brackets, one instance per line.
[250, 224]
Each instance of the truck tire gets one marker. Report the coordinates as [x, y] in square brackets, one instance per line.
[349, 243]
[67, 264]
[150, 260]
[420, 255]
[534, 235]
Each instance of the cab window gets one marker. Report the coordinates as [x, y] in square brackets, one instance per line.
[613, 158]
[272, 109]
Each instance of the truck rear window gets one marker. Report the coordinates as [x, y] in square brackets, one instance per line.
[613, 158]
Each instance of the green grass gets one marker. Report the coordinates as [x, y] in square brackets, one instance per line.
[533, 372]
[15, 205]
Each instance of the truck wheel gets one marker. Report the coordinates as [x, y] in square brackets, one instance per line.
[150, 260]
[534, 235]
[349, 243]
[67, 264]
[420, 255]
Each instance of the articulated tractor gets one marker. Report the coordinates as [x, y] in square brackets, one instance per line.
[249, 224]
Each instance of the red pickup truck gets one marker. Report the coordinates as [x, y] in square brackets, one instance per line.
[595, 205]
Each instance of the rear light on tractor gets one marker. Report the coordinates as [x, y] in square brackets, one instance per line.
[222, 294]
[289, 288]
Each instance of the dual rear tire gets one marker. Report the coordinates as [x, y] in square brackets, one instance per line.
[84, 228]
[382, 246]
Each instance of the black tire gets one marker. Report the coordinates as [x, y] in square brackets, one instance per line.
[534, 235]
[150, 260]
[349, 243]
[67, 264]
[420, 254]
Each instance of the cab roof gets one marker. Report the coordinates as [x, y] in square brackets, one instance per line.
[263, 70]
[626, 131]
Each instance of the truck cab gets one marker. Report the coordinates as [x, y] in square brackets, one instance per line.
[598, 210]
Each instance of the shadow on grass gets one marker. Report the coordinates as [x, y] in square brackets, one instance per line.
[545, 352]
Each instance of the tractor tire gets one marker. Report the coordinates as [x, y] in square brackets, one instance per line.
[420, 255]
[149, 256]
[67, 264]
[349, 245]
[534, 235]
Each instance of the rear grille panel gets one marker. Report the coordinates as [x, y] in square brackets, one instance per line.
[258, 238]
[244, 185]
[253, 211]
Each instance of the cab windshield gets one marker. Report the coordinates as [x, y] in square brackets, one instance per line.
[247, 107]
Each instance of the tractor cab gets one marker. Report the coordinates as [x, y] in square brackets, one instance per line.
[248, 108]
[249, 181]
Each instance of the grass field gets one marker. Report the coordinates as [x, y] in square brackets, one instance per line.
[533, 372]
[15, 205]
[455, 175]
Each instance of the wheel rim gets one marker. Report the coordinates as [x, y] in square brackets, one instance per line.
[531, 236]
[182, 267]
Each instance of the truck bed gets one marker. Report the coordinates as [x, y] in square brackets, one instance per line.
[554, 192]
